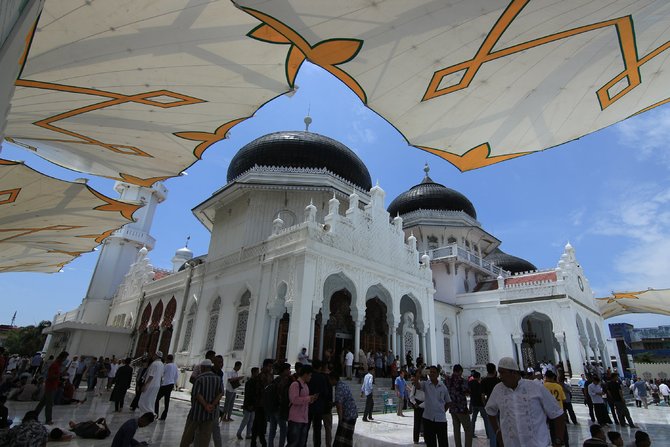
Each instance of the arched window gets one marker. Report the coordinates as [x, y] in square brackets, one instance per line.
[213, 323]
[481, 338]
[242, 318]
[447, 343]
[188, 332]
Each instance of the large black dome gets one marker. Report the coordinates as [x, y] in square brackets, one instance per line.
[510, 263]
[429, 195]
[296, 149]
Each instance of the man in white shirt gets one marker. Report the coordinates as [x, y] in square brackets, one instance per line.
[366, 390]
[72, 367]
[665, 392]
[152, 383]
[349, 363]
[524, 407]
[170, 376]
[232, 381]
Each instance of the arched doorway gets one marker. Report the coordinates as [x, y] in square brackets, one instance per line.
[374, 333]
[282, 337]
[166, 333]
[339, 330]
[142, 329]
[154, 328]
[538, 343]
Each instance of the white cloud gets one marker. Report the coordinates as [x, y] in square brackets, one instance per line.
[648, 134]
[639, 220]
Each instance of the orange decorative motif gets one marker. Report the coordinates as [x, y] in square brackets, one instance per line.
[477, 157]
[327, 54]
[208, 138]
[11, 194]
[625, 34]
[27, 231]
[115, 99]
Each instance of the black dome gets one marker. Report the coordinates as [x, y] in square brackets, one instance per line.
[429, 195]
[296, 149]
[509, 262]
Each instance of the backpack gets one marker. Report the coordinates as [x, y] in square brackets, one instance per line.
[271, 396]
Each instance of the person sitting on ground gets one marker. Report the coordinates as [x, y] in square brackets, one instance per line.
[91, 429]
[29, 433]
[58, 435]
[125, 436]
[642, 439]
[615, 438]
[598, 437]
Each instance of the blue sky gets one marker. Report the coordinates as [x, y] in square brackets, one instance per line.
[607, 193]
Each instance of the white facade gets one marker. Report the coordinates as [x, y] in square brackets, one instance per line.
[300, 257]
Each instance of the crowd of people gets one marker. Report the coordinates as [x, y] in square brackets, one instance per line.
[283, 403]
[54, 381]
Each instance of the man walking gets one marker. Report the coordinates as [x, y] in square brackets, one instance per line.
[488, 384]
[205, 397]
[248, 405]
[50, 387]
[124, 376]
[366, 390]
[615, 395]
[152, 383]
[435, 408]
[460, 415]
[320, 385]
[641, 387]
[347, 412]
[232, 379]
[524, 407]
[278, 418]
[170, 376]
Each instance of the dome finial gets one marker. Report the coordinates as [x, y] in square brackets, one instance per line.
[307, 119]
[188, 238]
[426, 178]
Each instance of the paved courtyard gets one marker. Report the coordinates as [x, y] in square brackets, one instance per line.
[387, 429]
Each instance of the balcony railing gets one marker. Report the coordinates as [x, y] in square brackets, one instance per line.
[467, 257]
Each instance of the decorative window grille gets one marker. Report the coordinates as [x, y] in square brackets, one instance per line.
[188, 332]
[241, 332]
[447, 344]
[213, 323]
[481, 339]
[409, 343]
[187, 335]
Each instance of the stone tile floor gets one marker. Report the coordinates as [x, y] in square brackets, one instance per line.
[387, 429]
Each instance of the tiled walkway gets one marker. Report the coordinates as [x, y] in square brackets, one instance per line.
[387, 429]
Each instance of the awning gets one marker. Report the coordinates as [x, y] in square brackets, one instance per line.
[645, 301]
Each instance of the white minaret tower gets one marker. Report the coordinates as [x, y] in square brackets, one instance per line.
[120, 250]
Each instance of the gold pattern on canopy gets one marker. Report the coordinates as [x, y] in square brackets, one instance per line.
[45, 223]
[653, 301]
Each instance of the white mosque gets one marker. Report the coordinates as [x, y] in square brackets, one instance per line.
[303, 253]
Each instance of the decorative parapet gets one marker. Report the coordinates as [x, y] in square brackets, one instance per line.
[256, 169]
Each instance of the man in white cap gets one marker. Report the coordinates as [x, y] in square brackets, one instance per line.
[524, 407]
[152, 384]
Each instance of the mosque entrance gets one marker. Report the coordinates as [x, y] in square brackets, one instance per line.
[282, 337]
[339, 330]
[538, 343]
[375, 331]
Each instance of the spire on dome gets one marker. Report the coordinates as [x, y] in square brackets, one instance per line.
[307, 120]
[427, 178]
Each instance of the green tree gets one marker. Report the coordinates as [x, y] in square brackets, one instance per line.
[27, 340]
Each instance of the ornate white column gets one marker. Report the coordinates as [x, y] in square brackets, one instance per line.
[322, 326]
[422, 344]
[357, 335]
[517, 339]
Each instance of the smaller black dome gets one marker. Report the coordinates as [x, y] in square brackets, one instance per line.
[429, 195]
[510, 263]
[297, 149]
